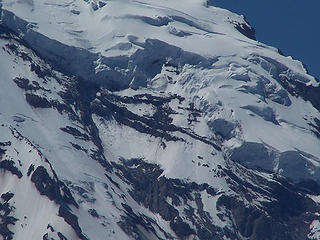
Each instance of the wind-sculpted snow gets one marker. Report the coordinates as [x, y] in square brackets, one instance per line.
[152, 120]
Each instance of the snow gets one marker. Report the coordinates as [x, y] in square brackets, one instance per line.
[34, 212]
[208, 62]
[314, 230]
[104, 31]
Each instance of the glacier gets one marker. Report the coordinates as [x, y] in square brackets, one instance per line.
[126, 119]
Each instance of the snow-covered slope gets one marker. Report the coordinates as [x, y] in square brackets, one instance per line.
[152, 120]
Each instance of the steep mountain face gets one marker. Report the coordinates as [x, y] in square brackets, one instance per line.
[152, 120]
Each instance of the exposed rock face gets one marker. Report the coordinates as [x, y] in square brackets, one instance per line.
[246, 30]
[287, 206]
[72, 220]
[37, 102]
[9, 165]
[54, 189]
[168, 122]
[6, 216]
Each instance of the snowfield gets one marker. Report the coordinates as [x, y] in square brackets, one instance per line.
[125, 119]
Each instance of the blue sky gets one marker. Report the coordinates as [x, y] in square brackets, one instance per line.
[293, 26]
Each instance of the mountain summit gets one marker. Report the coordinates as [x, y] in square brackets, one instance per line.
[123, 119]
